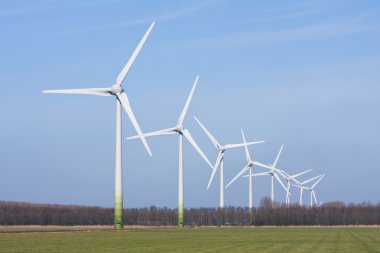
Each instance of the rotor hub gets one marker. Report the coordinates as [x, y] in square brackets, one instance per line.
[179, 128]
[115, 89]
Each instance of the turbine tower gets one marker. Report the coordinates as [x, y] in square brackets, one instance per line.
[220, 163]
[121, 100]
[273, 173]
[182, 132]
[248, 167]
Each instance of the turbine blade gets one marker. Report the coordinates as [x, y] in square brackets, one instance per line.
[155, 133]
[257, 175]
[188, 136]
[216, 166]
[184, 111]
[281, 183]
[278, 156]
[228, 146]
[127, 107]
[213, 140]
[315, 198]
[238, 175]
[260, 174]
[247, 155]
[285, 173]
[262, 165]
[295, 180]
[307, 181]
[312, 187]
[299, 174]
[128, 66]
[280, 172]
[90, 91]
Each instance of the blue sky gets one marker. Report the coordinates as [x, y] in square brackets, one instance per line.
[302, 73]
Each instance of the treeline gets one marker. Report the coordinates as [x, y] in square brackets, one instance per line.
[334, 213]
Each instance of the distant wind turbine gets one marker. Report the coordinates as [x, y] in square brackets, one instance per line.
[248, 167]
[274, 174]
[121, 100]
[312, 191]
[220, 160]
[289, 179]
[302, 186]
[181, 131]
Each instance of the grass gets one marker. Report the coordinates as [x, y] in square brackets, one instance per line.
[283, 240]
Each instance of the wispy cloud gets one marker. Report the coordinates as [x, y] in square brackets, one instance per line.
[314, 31]
[168, 15]
[301, 9]
[185, 11]
[294, 14]
[293, 6]
[12, 8]
[104, 27]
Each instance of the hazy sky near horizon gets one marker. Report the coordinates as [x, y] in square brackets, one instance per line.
[302, 73]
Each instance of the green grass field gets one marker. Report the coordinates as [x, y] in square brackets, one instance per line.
[281, 240]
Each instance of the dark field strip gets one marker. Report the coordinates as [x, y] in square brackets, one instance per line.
[70, 229]
[280, 240]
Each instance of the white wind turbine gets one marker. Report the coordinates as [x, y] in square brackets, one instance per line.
[121, 100]
[273, 172]
[220, 159]
[301, 185]
[312, 191]
[248, 167]
[182, 132]
[289, 179]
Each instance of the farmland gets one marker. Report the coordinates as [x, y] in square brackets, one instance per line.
[137, 239]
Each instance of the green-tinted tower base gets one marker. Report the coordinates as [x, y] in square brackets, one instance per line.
[180, 216]
[118, 215]
[222, 216]
[250, 216]
[118, 226]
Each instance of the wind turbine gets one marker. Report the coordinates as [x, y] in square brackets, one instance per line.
[312, 191]
[182, 132]
[289, 179]
[273, 172]
[301, 185]
[248, 167]
[121, 100]
[220, 160]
